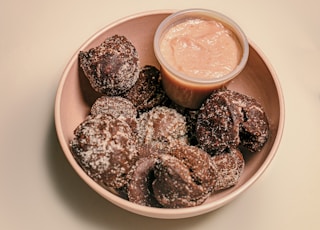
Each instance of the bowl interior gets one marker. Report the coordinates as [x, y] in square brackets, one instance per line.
[75, 96]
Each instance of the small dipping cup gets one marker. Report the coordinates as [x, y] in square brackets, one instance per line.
[189, 91]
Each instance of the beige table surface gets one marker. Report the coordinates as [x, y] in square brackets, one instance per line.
[39, 189]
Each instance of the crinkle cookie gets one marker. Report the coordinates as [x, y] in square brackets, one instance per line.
[161, 127]
[181, 177]
[147, 92]
[117, 107]
[228, 167]
[227, 119]
[105, 148]
[191, 120]
[218, 124]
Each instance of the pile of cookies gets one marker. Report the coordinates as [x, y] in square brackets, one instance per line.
[139, 144]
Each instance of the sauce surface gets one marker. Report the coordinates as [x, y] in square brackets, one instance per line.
[200, 48]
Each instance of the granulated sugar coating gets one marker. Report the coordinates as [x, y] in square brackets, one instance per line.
[117, 107]
[229, 167]
[162, 127]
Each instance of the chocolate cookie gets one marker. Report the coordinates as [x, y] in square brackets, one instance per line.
[199, 165]
[181, 177]
[140, 184]
[174, 187]
[112, 68]
[191, 120]
[105, 148]
[117, 107]
[161, 127]
[147, 92]
[218, 123]
[228, 167]
[228, 119]
[254, 128]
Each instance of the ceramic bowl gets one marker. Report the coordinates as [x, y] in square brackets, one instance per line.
[75, 96]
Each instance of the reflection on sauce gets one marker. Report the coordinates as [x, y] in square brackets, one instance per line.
[201, 49]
